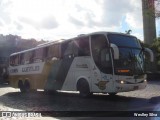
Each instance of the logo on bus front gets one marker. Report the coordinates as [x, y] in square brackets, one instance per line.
[102, 85]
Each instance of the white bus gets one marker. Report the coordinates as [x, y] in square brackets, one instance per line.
[100, 62]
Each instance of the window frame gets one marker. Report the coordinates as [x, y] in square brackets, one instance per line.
[108, 69]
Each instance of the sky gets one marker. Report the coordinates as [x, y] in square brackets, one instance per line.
[62, 19]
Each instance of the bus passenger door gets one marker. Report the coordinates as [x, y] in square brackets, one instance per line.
[102, 74]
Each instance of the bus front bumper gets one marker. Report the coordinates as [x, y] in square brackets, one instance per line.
[122, 87]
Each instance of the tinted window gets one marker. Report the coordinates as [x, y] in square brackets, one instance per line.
[14, 60]
[28, 57]
[66, 49]
[101, 53]
[98, 42]
[123, 41]
[52, 51]
[22, 58]
[76, 47]
[39, 54]
[72, 49]
[83, 46]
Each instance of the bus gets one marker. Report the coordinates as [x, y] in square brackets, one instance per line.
[3, 69]
[99, 62]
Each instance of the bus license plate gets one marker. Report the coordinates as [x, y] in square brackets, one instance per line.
[135, 87]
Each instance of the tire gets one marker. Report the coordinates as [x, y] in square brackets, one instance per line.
[27, 86]
[83, 88]
[21, 86]
[50, 92]
[33, 90]
[112, 94]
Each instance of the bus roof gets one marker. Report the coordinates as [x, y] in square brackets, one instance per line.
[64, 40]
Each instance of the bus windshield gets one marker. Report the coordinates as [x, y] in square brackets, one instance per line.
[131, 60]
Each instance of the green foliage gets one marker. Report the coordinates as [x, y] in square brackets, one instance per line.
[157, 9]
[144, 44]
[156, 47]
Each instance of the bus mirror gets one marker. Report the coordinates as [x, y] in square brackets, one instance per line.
[115, 51]
[150, 53]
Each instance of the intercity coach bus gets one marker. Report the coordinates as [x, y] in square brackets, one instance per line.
[100, 62]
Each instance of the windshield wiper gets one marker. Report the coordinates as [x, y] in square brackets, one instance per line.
[134, 61]
[140, 53]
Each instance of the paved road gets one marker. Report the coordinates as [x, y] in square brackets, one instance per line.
[142, 100]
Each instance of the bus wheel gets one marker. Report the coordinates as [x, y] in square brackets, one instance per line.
[83, 88]
[21, 86]
[27, 86]
[50, 92]
[112, 94]
[33, 90]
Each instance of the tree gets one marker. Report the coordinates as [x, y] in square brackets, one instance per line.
[152, 8]
[157, 8]
[156, 47]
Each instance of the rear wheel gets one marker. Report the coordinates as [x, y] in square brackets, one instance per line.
[33, 90]
[83, 88]
[27, 86]
[21, 86]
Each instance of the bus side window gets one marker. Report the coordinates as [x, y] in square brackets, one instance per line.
[53, 52]
[11, 61]
[38, 57]
[31, 60]
[22, 58]
[28, 57]
[45, 53]
[83, 46]
[71, 50]
[56, 51]
[14, 60]
[65, 50]
[75, 48]
[50, 52]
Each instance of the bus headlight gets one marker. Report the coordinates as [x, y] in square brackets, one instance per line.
[120, 81]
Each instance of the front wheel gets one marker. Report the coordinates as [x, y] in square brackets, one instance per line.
[83, 88]
[112, 94]
[50, 92]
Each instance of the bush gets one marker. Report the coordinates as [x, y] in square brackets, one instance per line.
[156, 47]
